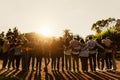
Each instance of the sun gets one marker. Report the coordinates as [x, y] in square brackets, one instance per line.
[46, 31]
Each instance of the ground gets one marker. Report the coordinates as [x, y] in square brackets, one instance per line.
[14, 74]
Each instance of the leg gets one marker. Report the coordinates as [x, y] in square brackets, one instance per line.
[90, 60]
[94, 61]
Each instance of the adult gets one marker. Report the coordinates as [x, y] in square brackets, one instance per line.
[75, 46]
[67, 53]
[114, 49]
[5, 49]
[38, 53]
[46, 53]
[108, 52]
[60, 53]
[92, 52]
[100, 56]
[53, 52]
[17, 54]
[84, 54]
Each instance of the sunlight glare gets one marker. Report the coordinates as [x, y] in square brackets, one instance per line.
[46, 31]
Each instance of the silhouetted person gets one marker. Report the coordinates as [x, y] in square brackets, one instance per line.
[53, 52]
[11, 55]
[100, 56]
[108, 52]
[84, 54]
[114, 49]
[24, 53]
[9, 33]
[6, 47]
[31, 54]
[60, 53]
[39, 56]
[67, 53]
[75, 46]
[17, 55]
[46, 53]
[92, 52]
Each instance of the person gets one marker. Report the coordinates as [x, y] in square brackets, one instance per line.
[75, 46]
[92, 52]
[11, 54]
[25, 49]
[108, 52]
[31, 55]
[53, 52]
[38, 55]
[5, 49]
[46, 53]
[67, 53]
[114, 49]
[9, 33]
[1, 46]
[84, 54]
[17, 55]
[60, 53]
[100, 55]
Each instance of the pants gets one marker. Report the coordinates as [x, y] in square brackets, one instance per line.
[108, 59]
[75, 62]
[113, 61]
[68, 62]
[11, 61]
[100, 60]
[38, 63]
[84, 63]
[92, 59]
[5, 59]
[17, 58]
[53, 64]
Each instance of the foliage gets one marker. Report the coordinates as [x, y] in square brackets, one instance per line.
[101, 25]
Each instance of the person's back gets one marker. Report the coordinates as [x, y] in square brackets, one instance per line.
[91, 46]
[53, 49]
[84, 51]
[107, 42]
[108, 52]
[6, 46]
[60, 48]
[1, 42]
[92, 53]
[74, 43]
[75, 46]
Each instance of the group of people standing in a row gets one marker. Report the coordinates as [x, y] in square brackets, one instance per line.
[65, 55]
[96, 52]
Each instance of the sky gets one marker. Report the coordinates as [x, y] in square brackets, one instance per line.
[56, 15]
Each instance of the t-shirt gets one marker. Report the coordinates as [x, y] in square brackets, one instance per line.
[107, 42]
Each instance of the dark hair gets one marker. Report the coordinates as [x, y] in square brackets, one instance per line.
[90, 37]
[82, 41]
[103, 37]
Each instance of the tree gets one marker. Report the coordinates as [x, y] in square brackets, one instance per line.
[117, 26]
[67, 34]
[101, 25]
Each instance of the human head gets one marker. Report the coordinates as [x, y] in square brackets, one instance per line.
[90, 37]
